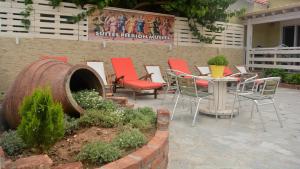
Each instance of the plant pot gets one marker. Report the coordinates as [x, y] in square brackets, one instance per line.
[217, 71]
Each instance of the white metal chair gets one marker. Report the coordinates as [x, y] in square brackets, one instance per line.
[187, 87]
[263, 96]
[204, 70]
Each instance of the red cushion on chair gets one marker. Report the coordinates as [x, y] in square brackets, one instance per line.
[227, 71]
[179, 64]
[202, 83]
[59, 58]
[124, 67]
[142, 84]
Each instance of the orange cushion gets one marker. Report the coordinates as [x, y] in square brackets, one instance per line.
[59, 58]
[142, 84]
[202, 83]
[179, 64]
[124, 67]
[227, 71]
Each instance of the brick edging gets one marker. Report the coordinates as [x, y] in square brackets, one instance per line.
[154, 154]
[290, 86]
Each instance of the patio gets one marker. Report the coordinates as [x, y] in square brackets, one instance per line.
[234, 144]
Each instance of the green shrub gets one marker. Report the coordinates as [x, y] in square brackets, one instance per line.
[141, 118]
[12, 143]
[90, 99]
[99, 153]
[275, 73]
[292, 78]
[219, 60]
[130, 139]
[99, 118]
[71, 125]
[42, 120]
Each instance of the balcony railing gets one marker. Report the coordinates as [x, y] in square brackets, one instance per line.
[279, 57]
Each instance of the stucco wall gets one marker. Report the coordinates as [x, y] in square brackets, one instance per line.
[266, 35]
[13, 57]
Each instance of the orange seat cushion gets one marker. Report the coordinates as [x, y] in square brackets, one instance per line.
[142, 84]
[227, 71]
[59, 58]
[202, 83]
[179, 64]
[124, 67]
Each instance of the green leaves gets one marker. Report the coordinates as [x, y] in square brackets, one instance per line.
[12, 143]
[42, 120]
[219, 60]
[130, 139]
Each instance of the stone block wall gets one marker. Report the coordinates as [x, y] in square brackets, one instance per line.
[14, 57]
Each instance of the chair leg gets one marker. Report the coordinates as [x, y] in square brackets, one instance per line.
[252, 108]
[260, 116]
[134, 95]
[114, 88]
[196, 112]
[165, 95]
[239, 105]
[277, 114]
[175, 106]
[155, 93]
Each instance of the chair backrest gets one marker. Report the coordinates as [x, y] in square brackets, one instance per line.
[179, 64]
[247, 82]
[187, 86]
[227, 71]
[59, 58]
[98, 66]
[241, 69]
[204, 70]
[270, 86]
[155, 72]
[124, 67]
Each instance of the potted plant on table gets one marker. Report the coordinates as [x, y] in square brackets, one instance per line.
[217, 65]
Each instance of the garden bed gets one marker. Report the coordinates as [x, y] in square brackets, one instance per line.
[290, 86]
[105, 133]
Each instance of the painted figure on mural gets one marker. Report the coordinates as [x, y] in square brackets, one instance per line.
[140, 23]
[156, 24]
[121, 23]
[165, 27]
[130, 24]
[112, 24]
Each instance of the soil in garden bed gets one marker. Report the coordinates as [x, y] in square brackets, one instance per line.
[66, 150]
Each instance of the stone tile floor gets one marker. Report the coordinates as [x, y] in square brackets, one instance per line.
[239, 143]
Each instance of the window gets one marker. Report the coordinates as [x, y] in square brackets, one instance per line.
[291, 35]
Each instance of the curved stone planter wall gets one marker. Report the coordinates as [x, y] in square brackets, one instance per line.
[153, 155]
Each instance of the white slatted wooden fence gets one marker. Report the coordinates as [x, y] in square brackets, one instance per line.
[232, 36]
[47, 22]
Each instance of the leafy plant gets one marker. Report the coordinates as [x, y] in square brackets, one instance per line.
[99, 153]
[292, 78]
[42, 119]
[71, 124]
[99, 118]
[141, 118]
[26, 13]
[219, 60]
[12, 143]
[90, 99]
[130, 139]
[275, 73]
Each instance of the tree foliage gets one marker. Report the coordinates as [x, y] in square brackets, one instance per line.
[42, 120]
[199, 12]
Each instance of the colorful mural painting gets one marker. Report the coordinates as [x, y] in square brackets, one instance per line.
[128, 25]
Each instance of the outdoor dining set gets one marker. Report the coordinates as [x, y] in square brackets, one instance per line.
[180, 81]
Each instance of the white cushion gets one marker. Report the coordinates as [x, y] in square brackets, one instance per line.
[203, 70]
[241, 69]
[99, 68]
[156, 74]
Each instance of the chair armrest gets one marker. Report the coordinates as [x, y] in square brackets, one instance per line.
[118, 79]
[147, 76]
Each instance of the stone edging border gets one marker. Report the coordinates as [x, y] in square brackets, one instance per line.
[289, 86]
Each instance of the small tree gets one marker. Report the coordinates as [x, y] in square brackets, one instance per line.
[42, 119]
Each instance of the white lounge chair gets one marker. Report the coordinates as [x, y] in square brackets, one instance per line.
[204, 70]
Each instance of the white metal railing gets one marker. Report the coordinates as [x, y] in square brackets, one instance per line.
[279, 57]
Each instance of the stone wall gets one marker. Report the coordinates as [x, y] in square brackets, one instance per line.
[14, 57]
